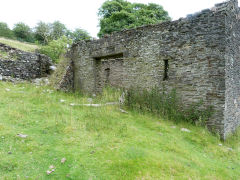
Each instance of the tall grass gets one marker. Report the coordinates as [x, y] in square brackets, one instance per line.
[19, 45]
[109, 94]
[167, 105]
[102, 142]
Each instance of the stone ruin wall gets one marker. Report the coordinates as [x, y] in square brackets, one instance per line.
[232, 70]
[23, 65]
[188, 55]
[62, 78]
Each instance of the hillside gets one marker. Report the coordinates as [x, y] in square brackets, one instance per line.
[102, 142]
[19, 45]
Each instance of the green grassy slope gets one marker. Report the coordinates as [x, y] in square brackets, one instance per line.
[19, 45]
[102, 142]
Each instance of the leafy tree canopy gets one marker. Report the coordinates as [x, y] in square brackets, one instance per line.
[58, 30]
[43, 32]
[116, 15]
[78, 35]
[5, 31]
[23, 32]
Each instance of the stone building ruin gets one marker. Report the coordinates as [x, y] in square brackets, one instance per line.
[197, 55]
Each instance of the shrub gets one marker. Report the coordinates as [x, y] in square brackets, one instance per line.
[56, 48]
[167, 105]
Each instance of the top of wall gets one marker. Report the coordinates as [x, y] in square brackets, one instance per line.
[168, 25]
[17, 54]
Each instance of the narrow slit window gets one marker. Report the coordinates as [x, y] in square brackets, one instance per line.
[166, 67]
[107, 74]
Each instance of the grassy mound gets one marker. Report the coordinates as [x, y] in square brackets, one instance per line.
[19, 45]
[102, 142]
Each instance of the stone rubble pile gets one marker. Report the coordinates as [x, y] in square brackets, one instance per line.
[23, 65]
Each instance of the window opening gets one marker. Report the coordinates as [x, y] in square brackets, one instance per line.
[166, 67]
[107, 74]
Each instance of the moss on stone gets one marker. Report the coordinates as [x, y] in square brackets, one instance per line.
[7, 56]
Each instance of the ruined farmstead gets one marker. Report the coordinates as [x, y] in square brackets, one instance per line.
[17, 64]
[198, 56]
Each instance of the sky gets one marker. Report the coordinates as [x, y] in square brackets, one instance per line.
[83, 13]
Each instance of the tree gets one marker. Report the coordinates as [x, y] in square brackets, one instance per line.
[116, 15]
[5, 31]
[78, 34]
[43, 32]
[56, 48]
[23, 32]
[58, 30]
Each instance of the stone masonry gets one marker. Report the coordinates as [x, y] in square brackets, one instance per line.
[198, 56]
[23, 65]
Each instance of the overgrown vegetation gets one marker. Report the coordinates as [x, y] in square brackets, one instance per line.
[6, 55]
[3, 54]
[5, 31]
[43, 33]
[19, 45]
[47, 32]
[102, 142]
[116, 15]
[23, 32]
[167, 105]
[59, 74]
[56, 48]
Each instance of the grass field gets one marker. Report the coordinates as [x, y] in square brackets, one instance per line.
[19, 45]
[102, 142]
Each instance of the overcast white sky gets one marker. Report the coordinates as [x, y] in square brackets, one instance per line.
[83, 13]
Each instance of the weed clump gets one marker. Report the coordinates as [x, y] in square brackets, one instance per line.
[167, 105]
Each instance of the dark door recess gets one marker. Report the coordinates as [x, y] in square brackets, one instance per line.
[108, 71]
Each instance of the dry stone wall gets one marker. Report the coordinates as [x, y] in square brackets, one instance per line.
[232, 70]
[198, 56]
[23, 65]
